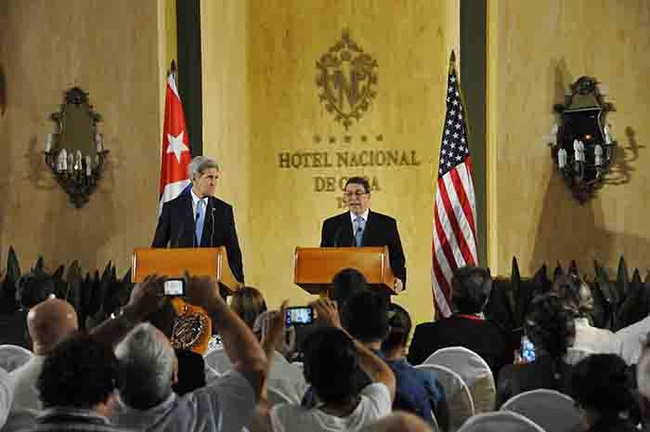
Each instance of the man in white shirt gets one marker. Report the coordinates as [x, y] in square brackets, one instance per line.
[148, 369]
[332, 361]
[49, 322]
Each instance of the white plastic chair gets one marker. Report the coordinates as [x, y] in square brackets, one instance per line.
[501, 421]
[552, 410]
[13, 356]
[458, 397]
[218, 360]
[473, 370]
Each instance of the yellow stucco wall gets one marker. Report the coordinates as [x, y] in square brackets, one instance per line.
[536, 49]
[111, 50]
[261, 101]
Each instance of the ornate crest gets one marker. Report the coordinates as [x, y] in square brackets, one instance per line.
[188, 329]
[347, 77]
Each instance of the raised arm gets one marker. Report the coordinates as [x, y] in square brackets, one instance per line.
[241, 346]
[378, 370]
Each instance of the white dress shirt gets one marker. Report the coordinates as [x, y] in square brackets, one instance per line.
[195, 202]
[354, 217]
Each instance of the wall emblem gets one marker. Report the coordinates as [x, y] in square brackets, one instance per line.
[347, 80]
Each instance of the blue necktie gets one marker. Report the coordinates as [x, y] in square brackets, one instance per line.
[358, 232]
[200, 219]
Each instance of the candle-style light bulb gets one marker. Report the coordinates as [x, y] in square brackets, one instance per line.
[48, 143]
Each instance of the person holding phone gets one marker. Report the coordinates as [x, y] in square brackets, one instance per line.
[551, 330]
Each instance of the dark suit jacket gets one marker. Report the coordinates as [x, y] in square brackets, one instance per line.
[176, 227]
[380, 230]
[480, 336]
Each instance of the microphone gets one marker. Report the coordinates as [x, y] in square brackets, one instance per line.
[212, 209]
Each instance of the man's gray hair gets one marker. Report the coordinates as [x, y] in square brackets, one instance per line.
[146, 367]
[199, 164]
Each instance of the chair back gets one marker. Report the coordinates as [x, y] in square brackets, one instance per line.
[501, 421]
[457, 394]
[552, 410]
[13, 356]
[473, 370]
[218, 360]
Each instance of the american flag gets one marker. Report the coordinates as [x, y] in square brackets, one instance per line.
[454, 216]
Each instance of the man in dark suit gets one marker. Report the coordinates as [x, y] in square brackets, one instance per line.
[197, 219]
[362, 227]
[471, 287]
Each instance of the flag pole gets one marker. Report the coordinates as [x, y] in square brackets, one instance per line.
[452, 61]
[172, 69]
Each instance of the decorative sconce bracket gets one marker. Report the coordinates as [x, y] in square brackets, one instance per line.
[583, 149]
[75, 153]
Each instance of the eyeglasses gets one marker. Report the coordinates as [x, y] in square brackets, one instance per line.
[354, 194]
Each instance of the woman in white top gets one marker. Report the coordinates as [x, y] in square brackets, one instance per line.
[576, 296]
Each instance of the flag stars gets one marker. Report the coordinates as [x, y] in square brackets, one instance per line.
[176, 145]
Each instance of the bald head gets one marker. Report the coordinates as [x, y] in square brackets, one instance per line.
[398, 422]
[49, 322]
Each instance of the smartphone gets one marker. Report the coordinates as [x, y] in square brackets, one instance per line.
[174, 287]
[299, 315]
[527, 350]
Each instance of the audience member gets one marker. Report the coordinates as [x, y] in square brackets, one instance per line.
[77, 386]
[191, 372]
[332, 362]
[643, 382]
[576, 296]
[148, 368]
[551, 329]
[399, 422]
[628, 342]
[408, 377]
[49, 322]
[346, 283]
[283, 376]
[365, 317]
[248, 303]
[31, 289]
[471, 288]
[601, 386]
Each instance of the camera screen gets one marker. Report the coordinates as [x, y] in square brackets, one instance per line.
[299, 315]
[174, 287]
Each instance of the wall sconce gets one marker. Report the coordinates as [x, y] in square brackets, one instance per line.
[583, 149]
[75, 153]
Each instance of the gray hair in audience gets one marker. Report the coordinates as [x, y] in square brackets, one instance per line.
[199, 165]
[147, 362]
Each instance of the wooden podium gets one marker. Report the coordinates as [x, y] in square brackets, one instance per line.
[174, 262]
[315, 268]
